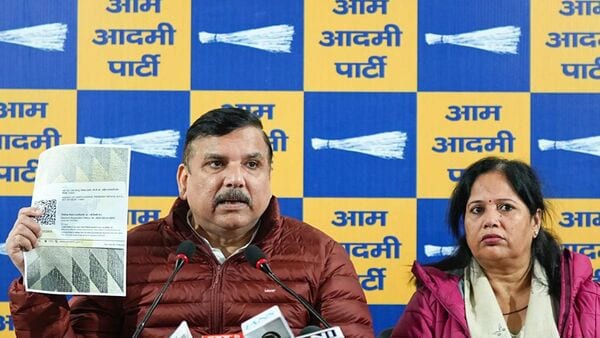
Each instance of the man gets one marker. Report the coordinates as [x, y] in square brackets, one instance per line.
[224, 204]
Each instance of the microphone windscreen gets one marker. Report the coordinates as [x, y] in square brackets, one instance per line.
[253, 254]
[387, 333]
[309, 329]
[186, 248]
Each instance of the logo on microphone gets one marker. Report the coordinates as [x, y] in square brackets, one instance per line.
[267, 324]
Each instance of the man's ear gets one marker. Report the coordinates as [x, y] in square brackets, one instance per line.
[182, 177]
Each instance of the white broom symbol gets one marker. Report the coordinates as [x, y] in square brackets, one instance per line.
[161, 143]
[48, 37]
[274, 39]
[587, 145]
[501, 40]
[388, 145]
[437, 251]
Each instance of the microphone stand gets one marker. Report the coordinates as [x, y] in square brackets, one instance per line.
[267, 269]
[178, 266]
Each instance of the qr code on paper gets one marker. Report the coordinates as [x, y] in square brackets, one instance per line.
[48, 208]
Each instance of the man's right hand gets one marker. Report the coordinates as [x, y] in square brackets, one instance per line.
[23, 236]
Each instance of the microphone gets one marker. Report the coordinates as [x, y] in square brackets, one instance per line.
[256, 257]
[309, 329]
[330, 332]
[185, 250]
[387, 333]
[267, 324]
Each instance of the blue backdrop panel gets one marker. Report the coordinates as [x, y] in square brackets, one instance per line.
[212, 63]
[335, 116]
[449, 67]
[28, 67]
[566, 117]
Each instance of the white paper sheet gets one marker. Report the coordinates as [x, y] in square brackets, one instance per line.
[83, 191]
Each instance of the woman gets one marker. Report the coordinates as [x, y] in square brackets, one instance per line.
[508, 276]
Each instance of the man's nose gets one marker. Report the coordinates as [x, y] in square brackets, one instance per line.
[234, 177]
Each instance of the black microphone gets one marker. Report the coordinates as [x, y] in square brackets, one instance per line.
[387, 333]
[185, 250]
[309, 329]
[256, 257]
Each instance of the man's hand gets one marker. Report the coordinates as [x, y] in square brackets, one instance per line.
[23, 236]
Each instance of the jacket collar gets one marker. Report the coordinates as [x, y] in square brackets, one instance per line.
[446, 288]
[270, 222]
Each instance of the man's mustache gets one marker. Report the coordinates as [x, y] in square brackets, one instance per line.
[232, 195]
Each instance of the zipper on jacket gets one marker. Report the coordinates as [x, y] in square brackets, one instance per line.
[216, 301]
[566, 291]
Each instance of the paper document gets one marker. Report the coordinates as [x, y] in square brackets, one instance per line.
[83, 191]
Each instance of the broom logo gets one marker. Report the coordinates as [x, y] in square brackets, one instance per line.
[48, 37]
[438, 251]
[274, 39]
[501, 40]
[161, 143]
[388, 145]
[587, 145]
